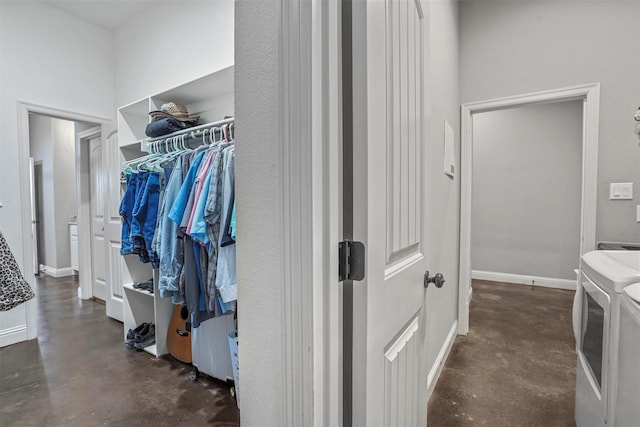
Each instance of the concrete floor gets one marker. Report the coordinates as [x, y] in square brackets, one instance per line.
[516, 367]
[79, 373]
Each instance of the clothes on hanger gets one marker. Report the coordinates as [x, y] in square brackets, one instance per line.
[179, 217]
[139, 212]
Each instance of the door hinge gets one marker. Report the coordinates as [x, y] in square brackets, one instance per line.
[351, 260]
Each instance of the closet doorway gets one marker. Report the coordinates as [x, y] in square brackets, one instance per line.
[588, 96]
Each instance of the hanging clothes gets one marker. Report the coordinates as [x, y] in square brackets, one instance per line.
[185, 228]
[226, 280]
[139, 212]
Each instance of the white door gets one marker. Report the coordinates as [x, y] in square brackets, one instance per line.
[113, 229]
[34, 216]
[97, 197]
[389, 322]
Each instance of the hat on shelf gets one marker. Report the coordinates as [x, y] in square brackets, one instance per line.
[173, 110]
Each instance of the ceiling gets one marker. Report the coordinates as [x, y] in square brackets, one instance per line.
[107, 14]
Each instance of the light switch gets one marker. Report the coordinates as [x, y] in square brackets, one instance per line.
[638, 213]
[621, 191]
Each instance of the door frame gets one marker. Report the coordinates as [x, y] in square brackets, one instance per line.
[289, 127]
[590, 96]
[83, 195]
[34, 214]
[24, 108]
[311, 179]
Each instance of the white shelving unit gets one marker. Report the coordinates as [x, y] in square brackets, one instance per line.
[210, 97]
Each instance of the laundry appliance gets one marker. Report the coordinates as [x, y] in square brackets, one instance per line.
[627, 400]
[596, 322]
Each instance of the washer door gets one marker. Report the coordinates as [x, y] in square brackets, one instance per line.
[593, 346]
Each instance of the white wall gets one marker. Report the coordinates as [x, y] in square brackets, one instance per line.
[64, 179]
[52, 141]
[171, 43]
[259, 208]
[510, 48]
[444, 192]
[50, 58]
[527, 174]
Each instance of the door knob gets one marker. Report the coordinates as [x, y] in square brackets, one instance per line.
[437, 280]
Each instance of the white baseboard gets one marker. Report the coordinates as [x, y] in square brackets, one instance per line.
[521, 279]
[438, 365]
[57, 272]
[13, 335]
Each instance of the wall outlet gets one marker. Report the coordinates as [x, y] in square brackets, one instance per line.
[621, 191]
[638, 213]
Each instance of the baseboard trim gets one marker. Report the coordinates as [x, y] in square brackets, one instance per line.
[438, 365]
[522, 279]
[13, 335]
[57, 272]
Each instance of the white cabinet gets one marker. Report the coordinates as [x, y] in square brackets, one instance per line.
[73, 244]
[210, 97]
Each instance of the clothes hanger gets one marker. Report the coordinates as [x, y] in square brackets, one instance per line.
[212, 135]
[204, 135]
[131, 166]
[225, 132]
[173, 150]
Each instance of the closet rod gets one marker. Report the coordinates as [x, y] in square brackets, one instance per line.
[192, 132]
[196, 130]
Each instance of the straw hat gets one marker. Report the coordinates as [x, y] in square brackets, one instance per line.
[173, 110]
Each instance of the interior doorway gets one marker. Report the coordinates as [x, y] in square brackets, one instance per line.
[71, 153]
[525, 214]
[589, 96]
[53, 206]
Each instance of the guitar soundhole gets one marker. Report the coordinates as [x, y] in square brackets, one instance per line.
[184, 313]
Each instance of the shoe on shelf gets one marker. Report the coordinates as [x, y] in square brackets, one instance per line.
[146, 337]
[143, 284]
[131, 334]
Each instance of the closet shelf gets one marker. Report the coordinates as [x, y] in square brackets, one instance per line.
[129, 286]
[211, 97]
[152, 349]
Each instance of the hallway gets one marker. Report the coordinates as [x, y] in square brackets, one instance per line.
[517, 365]
[79, 373]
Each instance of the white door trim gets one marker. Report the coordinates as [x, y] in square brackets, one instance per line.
[590, 94]
[24, 108]
[83, 190]
[311, 134]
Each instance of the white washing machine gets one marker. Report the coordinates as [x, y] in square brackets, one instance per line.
[627, 405]
[596, 320]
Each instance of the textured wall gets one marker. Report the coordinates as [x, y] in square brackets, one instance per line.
[171, 43]
[511, 48]
[527, 187]
[443, 202]
[259, 212]
[53, 59]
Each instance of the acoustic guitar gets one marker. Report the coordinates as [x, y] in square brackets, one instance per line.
[179, 334]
